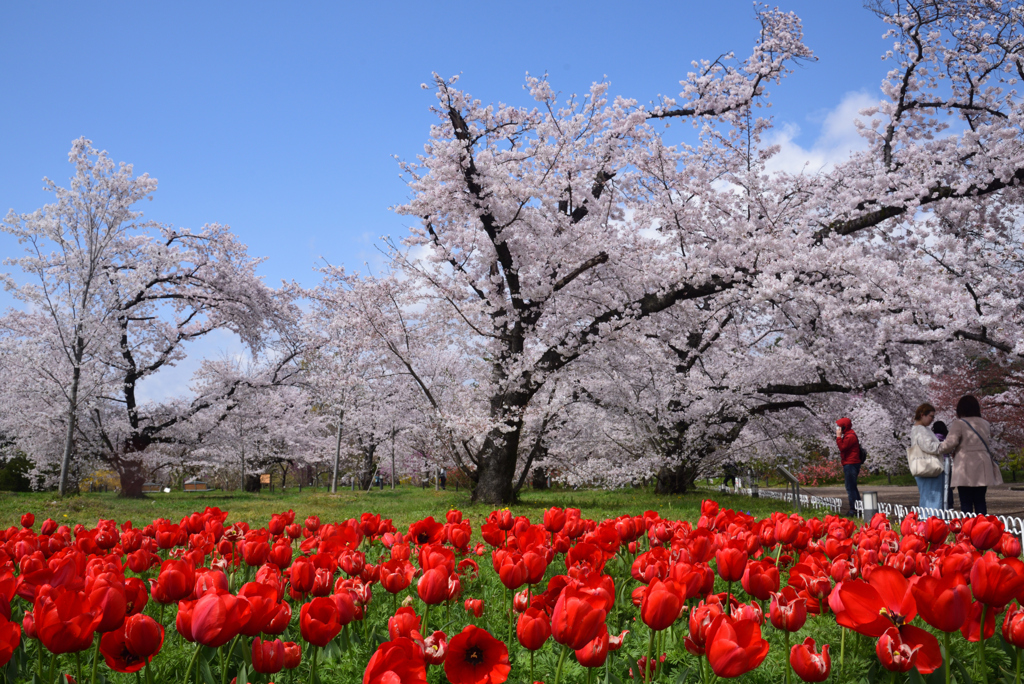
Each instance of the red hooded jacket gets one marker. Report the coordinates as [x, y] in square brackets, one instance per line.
[849, 445]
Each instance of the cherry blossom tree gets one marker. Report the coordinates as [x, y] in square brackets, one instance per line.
[545, 232]
[129, 295]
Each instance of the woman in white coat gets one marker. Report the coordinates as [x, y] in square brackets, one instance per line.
[924, 462]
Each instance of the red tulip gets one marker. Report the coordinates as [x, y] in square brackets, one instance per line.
[218, 618]
[404, 623]
[513, 571]
[267, 656]
[533, 629]
[700, 620]
[281, 619]
[731, 562]
[280, 554]
[64, 619]
[894, 654]
[183, 620]
[433, 586]
[435, 648]
[788, 611]
[318, 621]
[943, 603]
[396, 575]
[144, 636]
[760, 579]
[996, 581]
[1010, 545]
[595, 652]
[292, 655]
[808, 664]
[475, 657]
[28, 520]
[175, 582]
[734, 647]
[474, 606]
[10, 637]
[554, 520]
[972, 626]
[302, 574]
[575, 620]
[663, 603]
[985, 531]
[1013, 626]
[885, 601]
[399, 661]
[107, 597]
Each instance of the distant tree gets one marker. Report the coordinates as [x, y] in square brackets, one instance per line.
[128, 295]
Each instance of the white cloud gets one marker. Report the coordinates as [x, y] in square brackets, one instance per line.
[837, 138]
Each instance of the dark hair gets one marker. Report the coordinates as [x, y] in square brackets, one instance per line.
[968, 407]
[939, 428]
[923, 410]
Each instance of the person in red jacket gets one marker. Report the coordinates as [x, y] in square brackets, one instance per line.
[849, 456]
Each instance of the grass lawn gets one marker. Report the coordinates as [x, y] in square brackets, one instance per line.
[403, 505]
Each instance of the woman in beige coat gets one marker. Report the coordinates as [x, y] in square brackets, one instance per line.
[974, 470]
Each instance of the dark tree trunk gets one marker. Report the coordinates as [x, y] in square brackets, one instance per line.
[495, 482]
[539, 479]
[677, 479]
[366, 473]
[133, 476]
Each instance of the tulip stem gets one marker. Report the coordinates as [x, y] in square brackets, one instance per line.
[312, 669]
[650, 659]
[1016, 679]
[842, 651]
[789, 665]
[532, 680]
[510, 633]
[188, 670]
[426, 616]
[949, 658]
[981, 645]
[53, 665]
[728, 600]
[561, 661]
[95, 658]
[78, 665]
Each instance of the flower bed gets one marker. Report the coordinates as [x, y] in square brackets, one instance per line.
[565, 599]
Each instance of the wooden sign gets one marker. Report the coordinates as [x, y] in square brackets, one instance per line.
[265, 478]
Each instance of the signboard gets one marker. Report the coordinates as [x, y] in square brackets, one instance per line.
[265, 479]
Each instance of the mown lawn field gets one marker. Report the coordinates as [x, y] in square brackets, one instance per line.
[403, 505]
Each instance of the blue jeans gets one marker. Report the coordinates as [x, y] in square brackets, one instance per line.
[930, 490]
[850, 473]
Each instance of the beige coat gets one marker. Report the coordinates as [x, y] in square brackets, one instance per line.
[972, 465]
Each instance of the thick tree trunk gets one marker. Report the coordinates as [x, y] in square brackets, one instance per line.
[676, 480]
[495, 484]
[368, 469]
[133, 476]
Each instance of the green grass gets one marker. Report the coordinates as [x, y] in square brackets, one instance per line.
[403, 505]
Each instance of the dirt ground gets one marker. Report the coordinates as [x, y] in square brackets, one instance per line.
[1001, 500]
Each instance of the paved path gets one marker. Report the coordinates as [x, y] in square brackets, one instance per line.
[1001, 500]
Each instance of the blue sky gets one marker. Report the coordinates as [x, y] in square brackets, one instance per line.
[281, 119]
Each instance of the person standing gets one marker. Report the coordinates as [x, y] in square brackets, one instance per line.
[974, 468]
[925, 465]
[940, 430]
[849, 456]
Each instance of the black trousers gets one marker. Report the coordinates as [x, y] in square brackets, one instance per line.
[972, 500]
